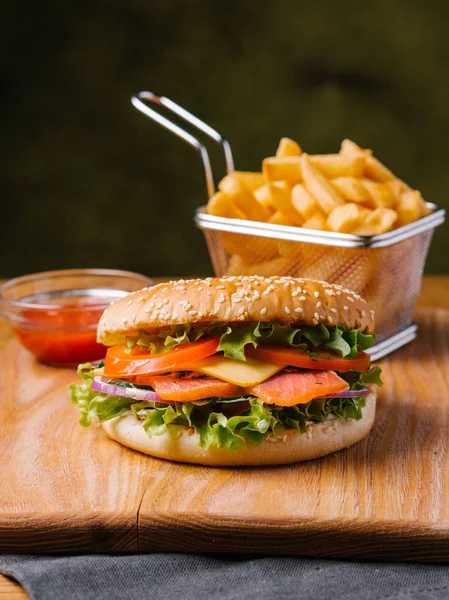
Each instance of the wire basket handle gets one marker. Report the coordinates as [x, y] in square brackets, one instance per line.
[138, 102]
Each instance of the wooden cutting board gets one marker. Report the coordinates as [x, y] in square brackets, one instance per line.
[64, 488]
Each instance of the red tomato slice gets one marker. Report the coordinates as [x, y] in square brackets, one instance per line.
[119, 363]
[323, 360]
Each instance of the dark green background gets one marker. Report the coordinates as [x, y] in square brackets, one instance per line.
[89, 181]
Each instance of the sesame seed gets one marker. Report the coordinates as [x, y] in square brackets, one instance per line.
[151, 305]
[345, 308]
[124, 321]
[221, 300]
[316, 294]
[147, 310]
[350, 299]
[192, 312]
[318, 304]
[371, 312]
[200, 289]
[295, 293]
[160, 305]
[256, 295]
[164, 289]
[316, 315]
[166, 316]
[129, 303]
[299, 310]
[302, 298]
[208, 292]
[363, 314]
[219, 287]
[241, 310]
[329, 292]
[334, 310]
[314, 321]
[263, 311]
[188, 305]
[236, 300]
[141, 299]
[330, 319]
[339, 293]
[165, 300]
[180, 287]
[287, 310]
[200, 314]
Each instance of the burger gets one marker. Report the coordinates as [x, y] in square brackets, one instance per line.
[234, 371]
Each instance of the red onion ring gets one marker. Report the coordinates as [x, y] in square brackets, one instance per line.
[349, 394]
[103, 385]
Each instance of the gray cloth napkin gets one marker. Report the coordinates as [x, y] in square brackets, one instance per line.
[197, 577]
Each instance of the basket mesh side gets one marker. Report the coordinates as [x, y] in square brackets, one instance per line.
[388, 278]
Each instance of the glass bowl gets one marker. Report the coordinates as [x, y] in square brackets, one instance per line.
[55, 314]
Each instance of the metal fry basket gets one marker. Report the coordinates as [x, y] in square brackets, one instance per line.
[385, 269]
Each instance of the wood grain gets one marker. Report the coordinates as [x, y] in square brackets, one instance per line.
[10, 590]
[63, 487]
[366, 470]
[384, 498]
[70, 489]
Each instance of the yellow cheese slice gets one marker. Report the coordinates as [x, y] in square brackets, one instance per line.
[242, 373]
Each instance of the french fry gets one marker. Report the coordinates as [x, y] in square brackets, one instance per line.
[410, 207]
[364, 212]
[280, 219]
[288, 147]
[282, 168]
[349, 147]
[251, 179]
[374, 169]
[315, 182]
[380, 194]
[349, 192]
[339, 165]
[345, 218]
[378, 221]
[243, 198]
[317, 262]
[304, 202]
[263, 196]
[396, 187]
[276, 266]
[251, 248]
[317, 221]
[237, 265]
[351, 189]
[222, 205]
[281, 195]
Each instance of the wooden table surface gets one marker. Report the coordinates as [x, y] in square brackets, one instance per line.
[434, 293]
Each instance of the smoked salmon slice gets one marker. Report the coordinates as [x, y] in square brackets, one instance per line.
[189, 389]
[289, 389]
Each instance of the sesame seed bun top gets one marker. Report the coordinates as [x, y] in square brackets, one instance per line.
[234, 300]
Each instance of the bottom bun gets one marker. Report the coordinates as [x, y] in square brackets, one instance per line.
[287, 446]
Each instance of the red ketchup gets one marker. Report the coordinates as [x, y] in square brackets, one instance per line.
[64, 334]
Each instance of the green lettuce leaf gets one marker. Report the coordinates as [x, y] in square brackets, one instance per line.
[91, 403]
[234, 337]
[358, 381]
[233, 341]
[216, 429]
